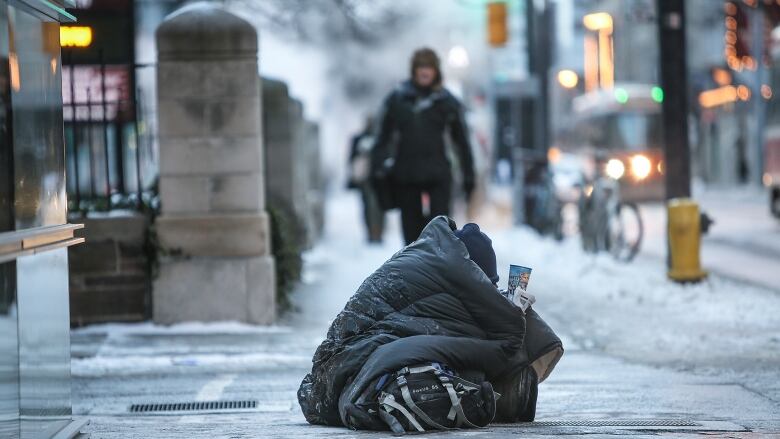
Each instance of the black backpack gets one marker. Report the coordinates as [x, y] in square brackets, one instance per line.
[428, 397]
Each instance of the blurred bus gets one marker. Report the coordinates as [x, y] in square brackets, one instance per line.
[619, 132]
[772, 131]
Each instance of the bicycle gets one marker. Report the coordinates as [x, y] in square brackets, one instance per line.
[542, 207]
[545, 215]
[607, 223]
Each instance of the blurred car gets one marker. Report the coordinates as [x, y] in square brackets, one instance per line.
[618, 133]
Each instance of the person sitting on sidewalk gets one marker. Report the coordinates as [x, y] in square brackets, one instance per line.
[434, 301]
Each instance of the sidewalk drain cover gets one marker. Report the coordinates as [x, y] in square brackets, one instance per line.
[620, 423]
[193, 406]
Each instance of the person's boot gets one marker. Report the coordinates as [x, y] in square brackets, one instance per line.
[518, 397]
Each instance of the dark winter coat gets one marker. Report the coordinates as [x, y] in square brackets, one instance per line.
[429, 302]
[412, 127]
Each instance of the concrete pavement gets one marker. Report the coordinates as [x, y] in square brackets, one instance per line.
[586, 386]
[617, 367]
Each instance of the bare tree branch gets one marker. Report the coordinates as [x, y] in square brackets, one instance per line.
[328, 21]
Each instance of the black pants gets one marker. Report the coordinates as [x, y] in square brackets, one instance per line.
[373, 215]
[410, 200]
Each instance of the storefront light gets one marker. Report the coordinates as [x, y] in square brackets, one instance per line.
[75, 36]
[13, 64]
[458, 57]
[721, 76]
[554, 154]
[743, 92]
[621, 95]
[718, 96]
[657, 93]
[598, 21]
[568, 78]
[766, 91]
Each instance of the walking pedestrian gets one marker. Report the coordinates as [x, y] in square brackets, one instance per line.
[409, 156]
[359, 169]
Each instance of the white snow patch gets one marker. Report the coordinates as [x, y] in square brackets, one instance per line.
[213, 390]
[187, 328]
[135, 365]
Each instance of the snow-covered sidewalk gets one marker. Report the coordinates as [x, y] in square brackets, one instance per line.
[744, 242]
[633, 311]
[721, 330]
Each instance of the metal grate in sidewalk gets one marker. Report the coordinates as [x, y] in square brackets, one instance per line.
[193, 406]
[619, 423]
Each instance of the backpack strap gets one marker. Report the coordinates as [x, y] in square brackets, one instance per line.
[410, 403]
[418, 369]
[456, 412]
[395, 426]
[389, 401]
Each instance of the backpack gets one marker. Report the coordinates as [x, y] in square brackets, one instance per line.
[429, 396]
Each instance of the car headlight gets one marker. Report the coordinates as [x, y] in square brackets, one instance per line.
[640, 166]
[615, 169]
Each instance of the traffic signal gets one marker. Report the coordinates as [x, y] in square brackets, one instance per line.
[497, 26]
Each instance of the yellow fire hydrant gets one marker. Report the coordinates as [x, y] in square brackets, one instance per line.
[685, 227]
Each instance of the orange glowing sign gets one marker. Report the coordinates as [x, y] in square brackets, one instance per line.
[75, 36]
[718, 96]
[598, 21]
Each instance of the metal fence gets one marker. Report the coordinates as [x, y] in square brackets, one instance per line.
[110, 156]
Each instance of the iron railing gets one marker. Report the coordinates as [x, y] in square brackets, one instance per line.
[110, 158]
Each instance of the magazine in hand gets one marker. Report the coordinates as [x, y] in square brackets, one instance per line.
[518, 285]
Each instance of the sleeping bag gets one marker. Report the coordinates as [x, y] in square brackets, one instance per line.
[428, 303]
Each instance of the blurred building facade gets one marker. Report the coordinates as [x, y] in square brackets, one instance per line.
[728, 134]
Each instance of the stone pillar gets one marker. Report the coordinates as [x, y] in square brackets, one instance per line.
[214, 229]
[316, 190]
[300, 170]
[278, 138]
[284, 140]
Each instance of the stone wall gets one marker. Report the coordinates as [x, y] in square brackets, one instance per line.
[110, 273]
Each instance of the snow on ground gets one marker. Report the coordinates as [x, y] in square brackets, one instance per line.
[185, 328]
[628, 310]
[151, 362]
[743, 243]
[718, 308]
[601, 309]
[722, 326]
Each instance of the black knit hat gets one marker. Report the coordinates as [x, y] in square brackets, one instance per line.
[480, 249]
